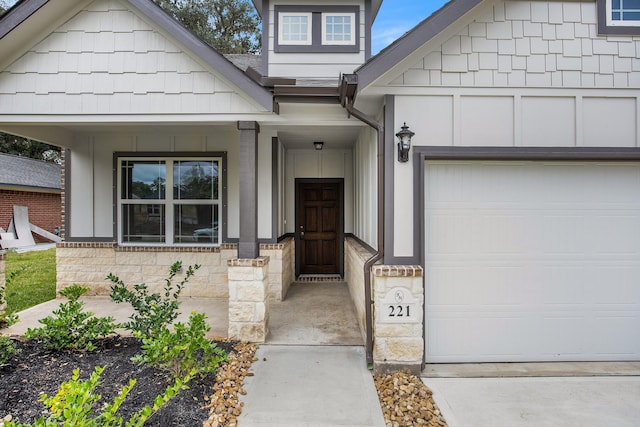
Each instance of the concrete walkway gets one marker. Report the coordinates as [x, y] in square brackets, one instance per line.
[216, 310]
[539, 402]
[305, 386]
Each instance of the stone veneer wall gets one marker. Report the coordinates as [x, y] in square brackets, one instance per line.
[89, 263]
[3, 256]
[355, 255]
[398, 345]
[281, 267]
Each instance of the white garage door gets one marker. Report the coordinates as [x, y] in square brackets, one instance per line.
[532, 261]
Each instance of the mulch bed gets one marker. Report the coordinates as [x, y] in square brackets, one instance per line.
[212, 400]
[36, 370]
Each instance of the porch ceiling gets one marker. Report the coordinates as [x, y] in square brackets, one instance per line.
[334, 137]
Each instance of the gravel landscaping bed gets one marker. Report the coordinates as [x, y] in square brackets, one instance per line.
[406, 401]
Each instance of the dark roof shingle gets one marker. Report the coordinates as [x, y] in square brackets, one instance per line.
[23, 172]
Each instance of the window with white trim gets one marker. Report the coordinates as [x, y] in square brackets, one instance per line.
[338, 28]
[619, 17]
[294, 28]
[316, 29]
[189, 213]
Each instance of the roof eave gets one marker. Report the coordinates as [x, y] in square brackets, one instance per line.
[19, 13]
[29, 188]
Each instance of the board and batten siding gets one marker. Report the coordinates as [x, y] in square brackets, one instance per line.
[90, 194]
[520, 73]
[107, 60]
[365, 175]
[314, 65]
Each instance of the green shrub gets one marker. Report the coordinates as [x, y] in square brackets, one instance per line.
[74, 404]
[6, 319]
[152, 312]
[184, 350]
[70, 327]
[7, 349]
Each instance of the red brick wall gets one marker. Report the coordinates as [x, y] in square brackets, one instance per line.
[45, 209]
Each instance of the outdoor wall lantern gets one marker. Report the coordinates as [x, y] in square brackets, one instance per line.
[318, 145]
[404, 145]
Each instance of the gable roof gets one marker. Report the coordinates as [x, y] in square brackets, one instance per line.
[20, 15]
[430, 27]
[28, 174]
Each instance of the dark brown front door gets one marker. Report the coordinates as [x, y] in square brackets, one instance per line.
[319, 226]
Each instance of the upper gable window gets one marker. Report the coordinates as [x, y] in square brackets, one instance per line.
[619, 17]
[319, 29]
[338, 28]
[294, 29]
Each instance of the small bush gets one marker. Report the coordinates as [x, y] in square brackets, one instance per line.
[6, 319]
[152, 312]
[70, 327]
[184, 350]
[7, 349]
[74, 404]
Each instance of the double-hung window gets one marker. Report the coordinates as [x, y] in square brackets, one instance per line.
[169, 201]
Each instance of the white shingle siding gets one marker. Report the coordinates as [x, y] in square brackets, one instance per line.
[532, 43]
[107, 60]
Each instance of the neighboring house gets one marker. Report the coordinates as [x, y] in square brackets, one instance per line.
[512, 233]
[34, 184]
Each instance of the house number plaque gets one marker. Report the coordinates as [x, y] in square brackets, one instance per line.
[399, 306]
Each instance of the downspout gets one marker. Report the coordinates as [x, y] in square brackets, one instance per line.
[347, 99]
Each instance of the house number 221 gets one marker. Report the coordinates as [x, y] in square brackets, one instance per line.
[399, 306]
[399, 311]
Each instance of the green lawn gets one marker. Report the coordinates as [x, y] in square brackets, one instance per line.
[30, 279]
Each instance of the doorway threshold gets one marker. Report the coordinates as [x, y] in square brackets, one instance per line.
[319, 278]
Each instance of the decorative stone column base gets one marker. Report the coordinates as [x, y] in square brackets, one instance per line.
[398, 293]
[3, 257]
[248, 299]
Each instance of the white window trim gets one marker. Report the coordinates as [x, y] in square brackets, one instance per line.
[169, 202]
[352, 37]
[282, 41]
[618, 23]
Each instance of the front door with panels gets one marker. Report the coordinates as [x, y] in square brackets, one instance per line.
[319, 226]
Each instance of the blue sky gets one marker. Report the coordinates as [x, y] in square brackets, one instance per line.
[396, 17]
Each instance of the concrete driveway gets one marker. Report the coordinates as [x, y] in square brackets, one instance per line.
[538, 401]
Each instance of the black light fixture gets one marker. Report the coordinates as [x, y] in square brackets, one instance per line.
[318, 145]
[404, 145]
